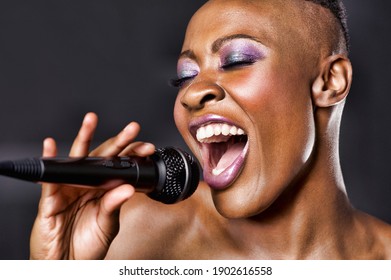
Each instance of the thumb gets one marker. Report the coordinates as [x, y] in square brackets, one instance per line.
[111, 202]
[114, 199]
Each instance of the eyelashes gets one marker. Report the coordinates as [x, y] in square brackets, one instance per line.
[231, 61]
[184, 76]
[237, 60]
[179, 82]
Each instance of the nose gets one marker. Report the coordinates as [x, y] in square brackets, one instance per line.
[200, 94]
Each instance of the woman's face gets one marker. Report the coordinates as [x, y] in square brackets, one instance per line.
[244, 106]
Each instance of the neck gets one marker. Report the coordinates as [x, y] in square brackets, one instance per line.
[312, 217]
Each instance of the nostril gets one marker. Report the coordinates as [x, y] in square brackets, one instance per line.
[198, 95]
[207, 97]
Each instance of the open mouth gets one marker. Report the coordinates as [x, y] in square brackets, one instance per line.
[223, 147]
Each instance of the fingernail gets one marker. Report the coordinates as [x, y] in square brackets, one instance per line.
[86, 119]
[130, 126]
[146, 147]
[149, 146]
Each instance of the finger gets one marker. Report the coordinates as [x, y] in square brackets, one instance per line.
[110, 204]
[141, 149]
[81, 144]
[49, 148]
[114, 198]
[117, 144]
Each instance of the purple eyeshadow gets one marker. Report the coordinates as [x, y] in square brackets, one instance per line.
[187, 69]
[240, 50]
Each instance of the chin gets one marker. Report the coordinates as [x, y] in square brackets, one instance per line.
[242, 201]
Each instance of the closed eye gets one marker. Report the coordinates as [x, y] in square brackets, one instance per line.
[236, 64]
[179, 82]
[234, 60]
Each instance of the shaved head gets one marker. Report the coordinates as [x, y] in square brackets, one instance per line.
[320, 25]
[337, 8]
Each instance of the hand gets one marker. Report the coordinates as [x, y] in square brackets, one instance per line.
[80, 223]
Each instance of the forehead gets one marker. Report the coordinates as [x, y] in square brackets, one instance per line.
[273, 22]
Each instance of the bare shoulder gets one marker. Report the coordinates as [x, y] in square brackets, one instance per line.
[380, 233]
[153, 230]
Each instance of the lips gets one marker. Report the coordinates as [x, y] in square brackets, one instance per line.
[223, 147]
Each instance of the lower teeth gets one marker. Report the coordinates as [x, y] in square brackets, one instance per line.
[217, 171]
[228, 157]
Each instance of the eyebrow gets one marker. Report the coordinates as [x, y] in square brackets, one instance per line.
[188, 53]
[216, 46]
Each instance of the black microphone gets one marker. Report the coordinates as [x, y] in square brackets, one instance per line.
[169, 175]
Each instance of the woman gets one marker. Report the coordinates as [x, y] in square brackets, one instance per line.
[262, 86]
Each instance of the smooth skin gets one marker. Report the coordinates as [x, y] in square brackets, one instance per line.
[289, 200]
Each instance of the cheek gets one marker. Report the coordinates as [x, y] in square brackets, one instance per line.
[277, 95]
[258, 91]
[179, 115]
[278, 103]
[181, 118]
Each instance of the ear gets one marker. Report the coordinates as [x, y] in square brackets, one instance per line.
[333, 83]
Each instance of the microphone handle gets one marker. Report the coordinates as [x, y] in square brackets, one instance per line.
[145, 174]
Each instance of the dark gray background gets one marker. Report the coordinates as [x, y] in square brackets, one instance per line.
[61, 59]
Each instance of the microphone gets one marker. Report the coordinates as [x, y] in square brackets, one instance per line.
[169, 175]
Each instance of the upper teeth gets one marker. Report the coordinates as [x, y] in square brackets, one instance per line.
[206, 133]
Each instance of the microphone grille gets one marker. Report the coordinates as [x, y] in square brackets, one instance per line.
[182, 176]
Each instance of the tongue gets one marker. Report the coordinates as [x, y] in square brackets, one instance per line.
[229, 157]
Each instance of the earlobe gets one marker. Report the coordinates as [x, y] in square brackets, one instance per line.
[333, 83]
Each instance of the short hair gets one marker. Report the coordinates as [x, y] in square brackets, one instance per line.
[337, 8]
